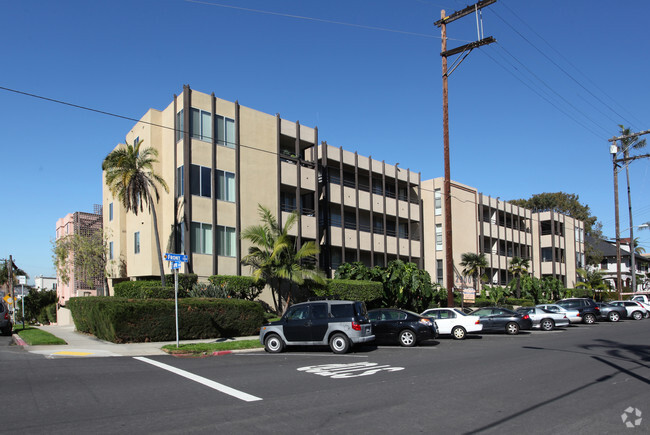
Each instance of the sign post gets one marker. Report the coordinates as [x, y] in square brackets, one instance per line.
[22, 279]
[176, 260]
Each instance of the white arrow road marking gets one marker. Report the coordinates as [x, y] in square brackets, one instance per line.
[201, 380]
[341, 371]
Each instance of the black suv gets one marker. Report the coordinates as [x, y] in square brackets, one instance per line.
[339, 324]
[588, 309]
[5, 319]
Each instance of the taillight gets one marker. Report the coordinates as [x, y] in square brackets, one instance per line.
[597, 308]
[478, 322]
[526, 317]
[356, 326]
[6, 315]
[578, 315]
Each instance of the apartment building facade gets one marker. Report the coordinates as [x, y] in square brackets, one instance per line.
[222, 160]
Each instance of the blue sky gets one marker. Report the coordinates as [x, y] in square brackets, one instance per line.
[529, 114]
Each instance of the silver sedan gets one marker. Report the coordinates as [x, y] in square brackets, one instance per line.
[544, 319]
[572, 315]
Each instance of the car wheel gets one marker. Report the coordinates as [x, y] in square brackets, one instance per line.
[614, 316]
[547, 324]
[637, 315]
[512, 328]
[646, 315]
[589, 319]
[407, 338]
[273, 343]
[339, 343]
[458, 333]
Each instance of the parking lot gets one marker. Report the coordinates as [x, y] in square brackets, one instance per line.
[579, 379]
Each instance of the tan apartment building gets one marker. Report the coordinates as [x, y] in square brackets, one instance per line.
[221, 160]
[552, 242]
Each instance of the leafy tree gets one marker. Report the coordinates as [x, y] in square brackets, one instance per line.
[358, 271]
[275, 259]
[4, 273]
[36, 301]
[591, 280]
[407, 287]
[519, 267]
[83, 254]
[496, 294]
[473, 265]
[131, 178]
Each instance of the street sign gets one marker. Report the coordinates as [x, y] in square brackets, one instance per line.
[8, 299]
[176, 257]
[176, 265]
[22, 279]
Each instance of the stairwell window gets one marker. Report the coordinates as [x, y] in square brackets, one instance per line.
[225, 131]
[201, 238]
[437, 199]
[179, 125]
[136, 242]
[201, 125]
[180, 184]
[110, 250]
[226, 241]
[110, 211]
[438, 237]
[225, 186]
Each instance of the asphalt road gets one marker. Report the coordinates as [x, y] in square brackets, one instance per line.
[577, 380]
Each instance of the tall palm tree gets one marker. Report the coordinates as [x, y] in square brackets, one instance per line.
[131, 178]
[519, 267]
[473, 265]
[275, 259]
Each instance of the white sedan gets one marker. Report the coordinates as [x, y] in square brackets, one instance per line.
[572, 315]
[452, 321]
[544, 319]
[634, 309]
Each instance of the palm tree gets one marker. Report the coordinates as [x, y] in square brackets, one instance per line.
[131, 178]
[591, 280]
[274, 258]
[518, 268]
[473, 265]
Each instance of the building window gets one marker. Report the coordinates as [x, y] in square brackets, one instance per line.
[180, 184]
[136, 242]
[403, 230]
[226, 239]
[179, 125]
[438, 237]
[110, 211]
[547, 254]
[439, 272]
[437, 200]
[200, 181]
[201, 125]
[225, 186]
[225, 131]
[201, 238]
[110, 250]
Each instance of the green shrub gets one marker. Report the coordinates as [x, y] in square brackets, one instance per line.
[50, 310]
[522, 302]
[366, 291]
[207, 290]
[145, 290]
[605, 296]
[239, 287]
[582, 293]
[42, 317]
[123, 320]
[185, 281]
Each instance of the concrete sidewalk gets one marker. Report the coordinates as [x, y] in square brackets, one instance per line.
[85, 345]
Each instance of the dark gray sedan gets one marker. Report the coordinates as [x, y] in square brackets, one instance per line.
[498, 319]
[611, 312]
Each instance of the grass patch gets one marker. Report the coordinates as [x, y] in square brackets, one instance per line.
[206, 348]
[36, 337]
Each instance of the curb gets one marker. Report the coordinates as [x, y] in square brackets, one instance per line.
[17, 340]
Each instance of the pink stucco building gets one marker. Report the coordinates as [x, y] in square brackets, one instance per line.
[84, 224]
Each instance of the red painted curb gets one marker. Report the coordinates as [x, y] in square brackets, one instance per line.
[221, 352]
[19, 341]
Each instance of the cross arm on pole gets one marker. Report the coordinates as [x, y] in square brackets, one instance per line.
[460, 14]
[470, 46]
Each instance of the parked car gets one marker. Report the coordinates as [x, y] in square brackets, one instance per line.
[588, 309]
[645, 303]
[572, 315]
[454, 322]
[613, 313]
[339, 324]
[407, 328]
[5, 319]
[497, 319]
[544, 319]
[634, 309]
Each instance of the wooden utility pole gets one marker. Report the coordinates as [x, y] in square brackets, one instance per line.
[618, 228]
[464, 49]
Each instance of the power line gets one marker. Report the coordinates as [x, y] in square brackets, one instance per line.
[320, 20]
[560, 67]
[567, 60]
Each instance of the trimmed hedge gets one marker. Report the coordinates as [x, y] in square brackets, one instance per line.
[50, 310]
[366, 291]
[582, 293]
[122, 320]
[145, 290]
[185, 281]
[240, 287]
